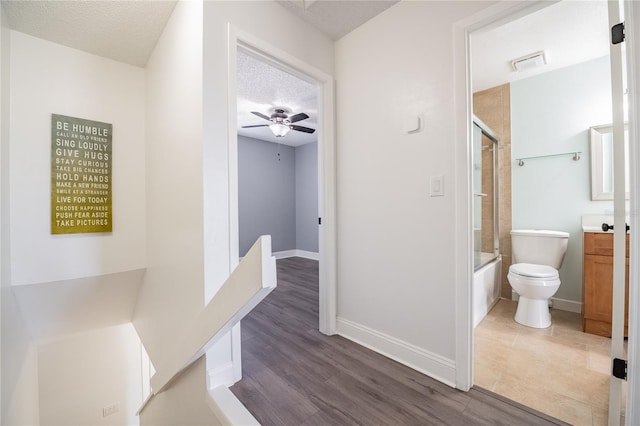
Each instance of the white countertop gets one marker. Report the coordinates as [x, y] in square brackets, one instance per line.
[589, 228]
[593, 223]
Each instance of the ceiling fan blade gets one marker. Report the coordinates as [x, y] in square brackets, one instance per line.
[261, 115]
[298, 117]
[302, 129]
[256, 125]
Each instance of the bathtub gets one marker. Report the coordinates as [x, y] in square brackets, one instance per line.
[485, 289]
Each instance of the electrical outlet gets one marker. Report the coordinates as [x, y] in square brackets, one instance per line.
[110, 409]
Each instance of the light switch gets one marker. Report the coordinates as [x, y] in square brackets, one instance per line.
[437, 186]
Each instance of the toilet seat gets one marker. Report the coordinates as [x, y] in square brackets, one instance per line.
[532, 270]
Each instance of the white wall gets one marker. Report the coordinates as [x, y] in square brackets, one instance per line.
[551, 113]
[172, 291]
[81, 374]
[4, 121]
[396, 258]
[4, 141]
[184, 403]
[49, 78]
[274, 25]
[307, 197]
[59, 308]
[19, 366]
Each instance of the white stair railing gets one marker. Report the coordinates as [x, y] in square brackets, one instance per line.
[252, 280]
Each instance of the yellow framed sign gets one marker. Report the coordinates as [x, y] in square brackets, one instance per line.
[81, 157]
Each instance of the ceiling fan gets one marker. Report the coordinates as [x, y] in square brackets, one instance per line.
[282, 122]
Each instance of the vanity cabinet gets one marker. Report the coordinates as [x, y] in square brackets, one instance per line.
[597, 284]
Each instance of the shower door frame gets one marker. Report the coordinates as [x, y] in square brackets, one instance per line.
[490, 134]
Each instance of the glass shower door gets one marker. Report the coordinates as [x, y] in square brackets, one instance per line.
[477, 196]
[485, 195]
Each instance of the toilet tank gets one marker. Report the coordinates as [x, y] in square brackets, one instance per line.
[541, 247]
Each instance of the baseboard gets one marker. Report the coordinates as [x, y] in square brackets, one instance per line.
[566, 305]
[433, 365]
[222, 375]
[556, 303]
[228, 408]
[296, 253]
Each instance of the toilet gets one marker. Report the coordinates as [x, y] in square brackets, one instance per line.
[537, 256]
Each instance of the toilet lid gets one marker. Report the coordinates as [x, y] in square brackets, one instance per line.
[534, 271]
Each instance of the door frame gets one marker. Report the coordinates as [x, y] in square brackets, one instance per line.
[326, 164]
[632, 20]
[493, 16]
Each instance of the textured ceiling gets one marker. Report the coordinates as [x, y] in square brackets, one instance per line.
[126, 31]
[570, 32]
[263, 87]
[336, 18]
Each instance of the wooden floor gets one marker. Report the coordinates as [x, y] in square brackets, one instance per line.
[294, 375]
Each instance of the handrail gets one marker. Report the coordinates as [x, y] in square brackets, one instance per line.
[252, 280]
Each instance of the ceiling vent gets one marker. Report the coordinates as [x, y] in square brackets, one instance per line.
[529, 62]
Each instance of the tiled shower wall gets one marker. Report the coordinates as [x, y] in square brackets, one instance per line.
[493, 107]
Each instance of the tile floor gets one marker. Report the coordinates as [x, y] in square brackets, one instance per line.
[559, 371]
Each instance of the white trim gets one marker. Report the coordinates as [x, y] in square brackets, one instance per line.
[221, 375]
[236, 353]
[557, 303]
[232, 153]
[619, 233]
[232, 195]
[463, 216]
[228, 409]
[296, 253]
[326, 161]
[433, 365]
[632, 20]
[493, 15]
[566, 305]
[327, 188]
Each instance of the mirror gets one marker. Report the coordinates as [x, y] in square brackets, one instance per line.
[601, 138]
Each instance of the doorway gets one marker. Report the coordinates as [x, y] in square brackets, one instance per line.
[326, 192]
[277, 174]
[566, 302]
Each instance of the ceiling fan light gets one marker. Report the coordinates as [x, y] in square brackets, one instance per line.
[279, 129]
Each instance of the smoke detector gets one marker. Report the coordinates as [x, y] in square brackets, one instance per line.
[529, 62]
